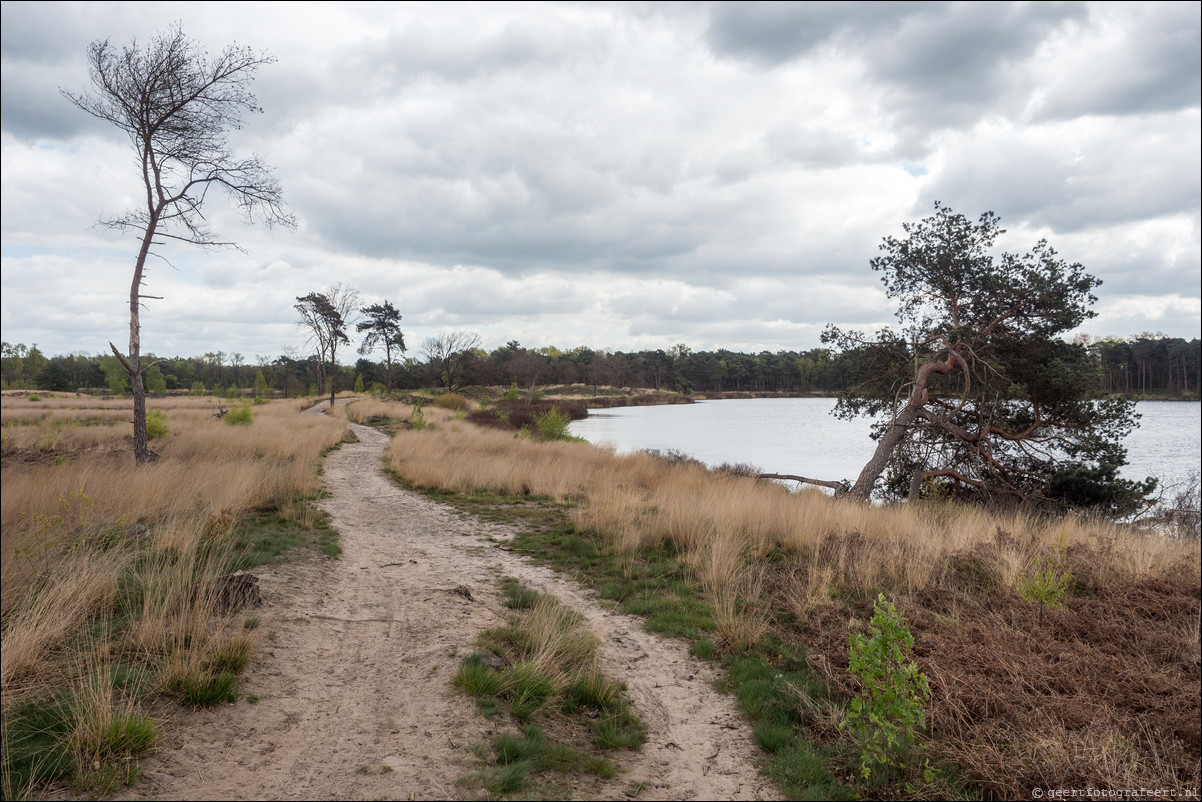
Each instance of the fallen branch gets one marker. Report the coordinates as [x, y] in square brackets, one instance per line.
[838, 487]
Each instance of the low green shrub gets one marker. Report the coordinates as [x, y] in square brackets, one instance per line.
[417, 420]
[1047, 582]
[890, 711]
[156, 424]
[553, 425]
[242, 415]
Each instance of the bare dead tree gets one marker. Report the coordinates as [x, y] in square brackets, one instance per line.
[448, 352]
[177, 105]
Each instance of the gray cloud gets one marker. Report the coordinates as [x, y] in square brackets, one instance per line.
[1099, 174]
[773, 33]
[1142, 59]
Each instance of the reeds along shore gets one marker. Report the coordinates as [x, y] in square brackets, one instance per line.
[1102, 693]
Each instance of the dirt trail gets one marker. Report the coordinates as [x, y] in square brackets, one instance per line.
[356, 674]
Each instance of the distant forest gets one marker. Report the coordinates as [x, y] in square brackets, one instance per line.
[1147, 365]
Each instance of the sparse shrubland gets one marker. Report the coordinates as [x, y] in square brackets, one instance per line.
[768, 582]
[103, 563]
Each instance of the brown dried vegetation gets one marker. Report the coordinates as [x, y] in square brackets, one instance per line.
[1102, 694]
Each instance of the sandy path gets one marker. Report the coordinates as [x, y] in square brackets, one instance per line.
[355, 674]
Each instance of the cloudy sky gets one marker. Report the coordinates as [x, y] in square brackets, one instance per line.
[620, 176]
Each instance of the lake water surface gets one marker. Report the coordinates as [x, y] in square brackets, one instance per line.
[799, 436]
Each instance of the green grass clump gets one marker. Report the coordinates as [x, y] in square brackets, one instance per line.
[36, 746]
[267, 534]
[204, 689]
[518, 596]
[527, 689]
[67, 739]
[477, 678]
[241, 415]
[540, 669]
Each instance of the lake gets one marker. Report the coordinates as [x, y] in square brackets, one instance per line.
[799, 436]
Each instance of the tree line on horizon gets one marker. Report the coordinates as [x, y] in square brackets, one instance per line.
[1147, 365]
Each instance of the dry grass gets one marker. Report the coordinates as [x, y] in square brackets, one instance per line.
[51, 609]
[720, 521]
[72, 496]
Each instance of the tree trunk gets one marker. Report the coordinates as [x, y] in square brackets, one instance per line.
[862, 489]
[133, 365]
[142, 452]
[333, 378]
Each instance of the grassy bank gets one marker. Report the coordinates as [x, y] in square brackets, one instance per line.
[108, 569]
[1058, 652]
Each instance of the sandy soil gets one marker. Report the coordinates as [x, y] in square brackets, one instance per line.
[353, 679]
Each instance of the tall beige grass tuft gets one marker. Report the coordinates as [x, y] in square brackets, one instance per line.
[740, 616]
[554, 639]
[53, 609]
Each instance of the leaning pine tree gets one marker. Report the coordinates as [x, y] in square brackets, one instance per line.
[177, 105]
[977, 395]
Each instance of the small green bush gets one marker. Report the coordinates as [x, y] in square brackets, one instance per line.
[198, 388]
[890, 711]
[513, 393]
[242, 415]
[553, 425]
[156, 424]
[417, 420]
[1047, 583]
[261, 388]
[35, 397]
